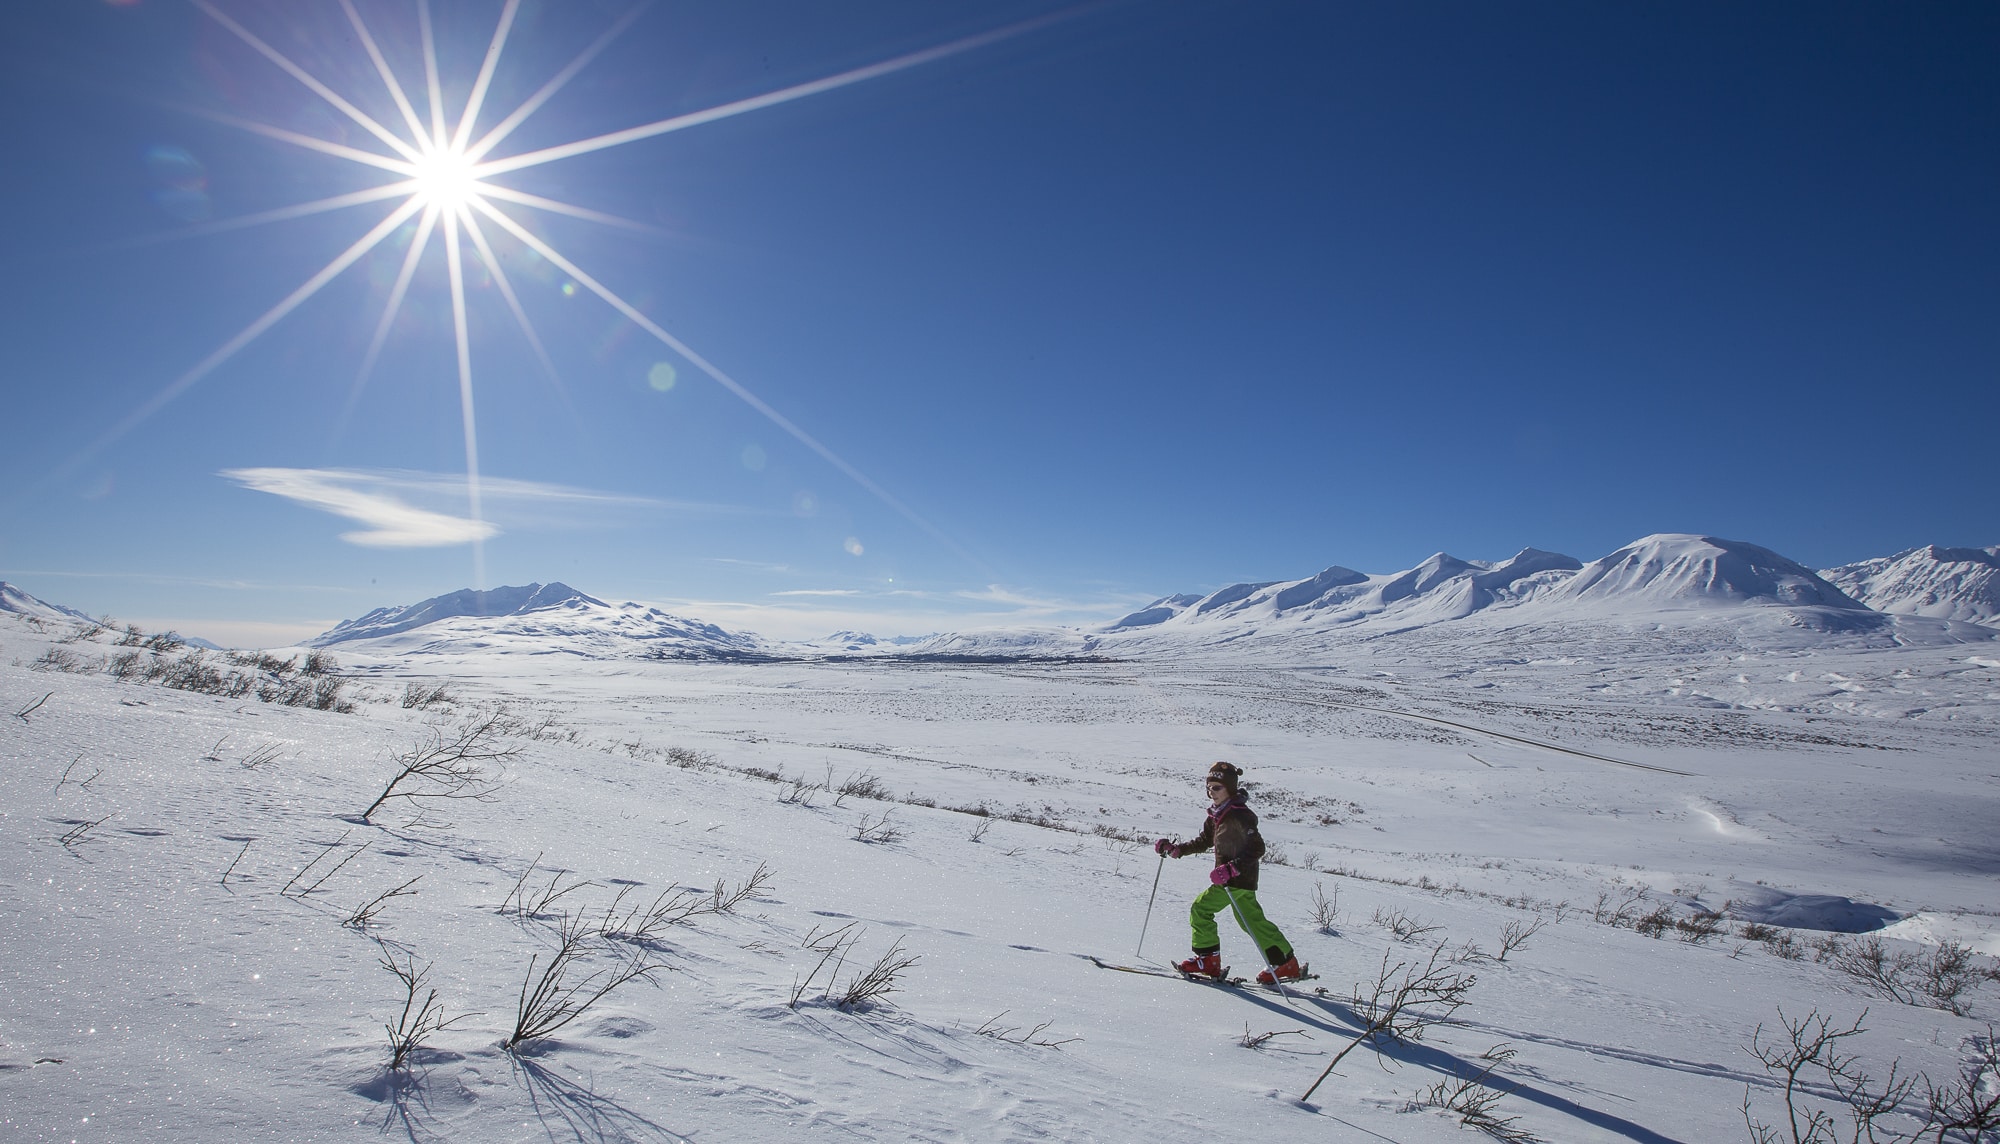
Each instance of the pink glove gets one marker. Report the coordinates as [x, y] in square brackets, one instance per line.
[1166, 846]
[1222, 873]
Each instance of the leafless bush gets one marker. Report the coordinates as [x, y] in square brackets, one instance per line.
[862, 785]
[449, 767]
[1406, 999]
[877, 831]
[80, 832]
[262, 756]
[1276, 854]
[1826, 947]
[878, 980]
[675, 905]
[1324, 911]
[800, 793]
[558, 996]
[85, 784]
[298, 887]
[164, 642]
[1968, 1110]
[418, 1019]
[419, 696]
[1757, 931]
[980, 828]
[1403, 926]
[1515, 935]
[125, 665]
[31, 708]
[1655, 923]
[1013, 1035]
[1622, 911]
[1809, 1056]
[59, 659]
[1698, 928]
[691, 760]
[85, 632]
[364, 914]
[832, 947]
[1940, 978]
[1251, 1040]
[131, 636]
[530, 902]
[1473, 1100]
[319, 663]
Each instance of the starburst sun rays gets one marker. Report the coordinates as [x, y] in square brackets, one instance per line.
[443, 183]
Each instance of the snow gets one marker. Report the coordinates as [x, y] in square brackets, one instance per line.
[1462, 774]
[1943, 583]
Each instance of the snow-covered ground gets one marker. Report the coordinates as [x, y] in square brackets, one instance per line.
[1467, 780]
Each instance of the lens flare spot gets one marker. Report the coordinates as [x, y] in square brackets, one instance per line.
[180, 183]
[662, 376]
[569, 289]
[804, 504]
[853, 546]
[754, 458]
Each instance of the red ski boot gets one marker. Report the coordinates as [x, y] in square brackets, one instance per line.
[1202, 965]
[1289, 971]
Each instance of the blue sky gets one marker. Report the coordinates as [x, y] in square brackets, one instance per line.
[1138, 299]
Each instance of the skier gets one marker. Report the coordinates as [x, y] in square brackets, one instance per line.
[1231, 831]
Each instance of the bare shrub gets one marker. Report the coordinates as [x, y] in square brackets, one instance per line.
[1699, 927]
[800, 793]
[418, 1020]
[1620, 912]
[1656, 923]
[59, 659]
[364, 914]
[1473, 1100]
[319, 663]
[1807, 1060]
[1324, 911]
[862, 785]
[125, 665]
[1439, 984]
[1251, 1040]
[420, 696]
[1013, 1034]
[1515, 935]
[1940, 978]
[79, 832]
[31, 708]
[878, 980]
[558, 996]
[1758, 931]
[532, 902]
[877, 831]
[1968, 1110]
[449, 767]
[1404, 927]
[980, 828]
[263, 756]
[691, 760]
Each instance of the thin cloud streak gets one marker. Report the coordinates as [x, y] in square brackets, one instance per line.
[390, 522]
[394, 503]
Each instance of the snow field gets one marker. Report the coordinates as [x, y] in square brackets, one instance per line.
[165, 1006]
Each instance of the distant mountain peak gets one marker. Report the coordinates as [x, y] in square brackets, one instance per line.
[1935, 581]
[14, 599]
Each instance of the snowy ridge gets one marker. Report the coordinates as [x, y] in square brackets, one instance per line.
[13, 599]
[538, 619]
[1942, 583]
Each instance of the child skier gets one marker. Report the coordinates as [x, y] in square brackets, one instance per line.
[1231, 831]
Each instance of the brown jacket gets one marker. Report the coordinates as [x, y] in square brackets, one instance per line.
[1231, 830]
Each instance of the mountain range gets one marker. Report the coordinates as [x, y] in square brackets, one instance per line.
[1668, 582]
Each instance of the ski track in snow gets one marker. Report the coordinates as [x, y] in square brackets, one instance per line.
[147, 1000]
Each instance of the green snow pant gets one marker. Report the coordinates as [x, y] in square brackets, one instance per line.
[1250, 916]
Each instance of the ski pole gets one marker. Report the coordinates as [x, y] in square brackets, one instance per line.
[1139, 952]
[1245, 926]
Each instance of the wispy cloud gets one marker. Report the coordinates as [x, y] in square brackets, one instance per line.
[407, 509]
[391, 522]
[819, 592]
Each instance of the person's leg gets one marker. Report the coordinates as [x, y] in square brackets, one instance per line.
[1251, 917]
[1201, 919]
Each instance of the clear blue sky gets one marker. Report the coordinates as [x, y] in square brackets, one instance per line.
[1146, 299]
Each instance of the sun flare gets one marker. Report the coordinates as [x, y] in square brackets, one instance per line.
[445, 180]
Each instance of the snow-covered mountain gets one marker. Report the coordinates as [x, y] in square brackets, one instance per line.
[1943, 583]
[13, 599]
[538, 619]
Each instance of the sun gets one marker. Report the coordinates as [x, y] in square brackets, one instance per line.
[441, 168]
[445, 180]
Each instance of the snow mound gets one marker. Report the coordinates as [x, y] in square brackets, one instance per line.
[1682, 569]
[13, 599]
[539, 619]
[1941, 583]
